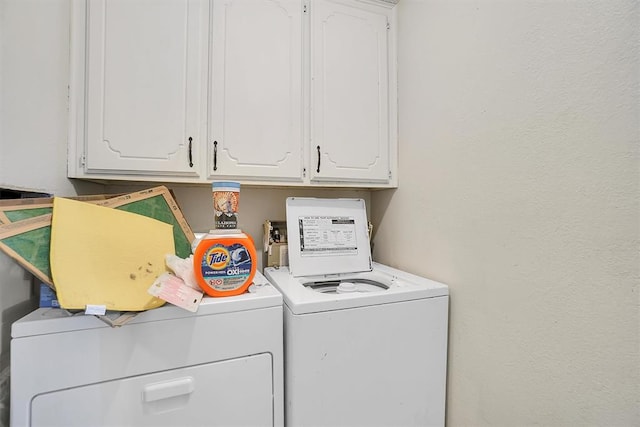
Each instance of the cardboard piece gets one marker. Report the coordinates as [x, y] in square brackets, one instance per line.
[27, 242]
[13, 210]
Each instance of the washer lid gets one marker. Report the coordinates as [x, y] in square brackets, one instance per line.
[385, 285]
[327, 236]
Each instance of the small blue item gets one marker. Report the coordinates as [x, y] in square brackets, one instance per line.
[48, 297]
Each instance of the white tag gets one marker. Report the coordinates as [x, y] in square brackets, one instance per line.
[98, 310]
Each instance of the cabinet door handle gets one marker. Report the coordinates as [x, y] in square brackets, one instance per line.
[190, 153]
[215, 155]
[318, 170]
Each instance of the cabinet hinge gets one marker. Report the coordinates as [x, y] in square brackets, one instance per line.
[388, 26]
[83, 160]
[304, 9]
[390, 174]
[304, 172]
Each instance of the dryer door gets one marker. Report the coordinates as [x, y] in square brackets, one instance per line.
[236, 392]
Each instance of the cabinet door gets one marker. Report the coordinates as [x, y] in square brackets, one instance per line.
[256, 116]
[146, 71]
[350, 138]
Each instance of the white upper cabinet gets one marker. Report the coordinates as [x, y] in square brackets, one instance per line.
[350, 114]
[256, 97]
[278, 92]
[144, 86]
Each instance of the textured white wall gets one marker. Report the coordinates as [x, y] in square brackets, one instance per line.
[33, 108]
[34, 78]
[519, 187]
[34, 69]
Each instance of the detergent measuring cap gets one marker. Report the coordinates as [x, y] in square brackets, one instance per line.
[225, 262]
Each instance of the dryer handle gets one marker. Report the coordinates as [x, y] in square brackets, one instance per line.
[167, 389]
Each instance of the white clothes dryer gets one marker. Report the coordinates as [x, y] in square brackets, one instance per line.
[365, 344]
[221, 366]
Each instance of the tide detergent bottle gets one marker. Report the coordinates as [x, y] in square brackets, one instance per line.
[225, 262]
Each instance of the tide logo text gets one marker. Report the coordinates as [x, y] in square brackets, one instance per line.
[218, 257]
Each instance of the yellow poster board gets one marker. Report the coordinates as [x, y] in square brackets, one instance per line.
[106, 257]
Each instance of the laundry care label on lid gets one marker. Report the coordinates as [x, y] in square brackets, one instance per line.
[327, 236]
[322, 235]
[225, 262]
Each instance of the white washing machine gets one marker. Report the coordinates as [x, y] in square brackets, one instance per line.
[365, 344]
[221, 366]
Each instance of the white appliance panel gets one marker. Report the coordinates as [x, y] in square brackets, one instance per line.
[171, 398]
[380, 365]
